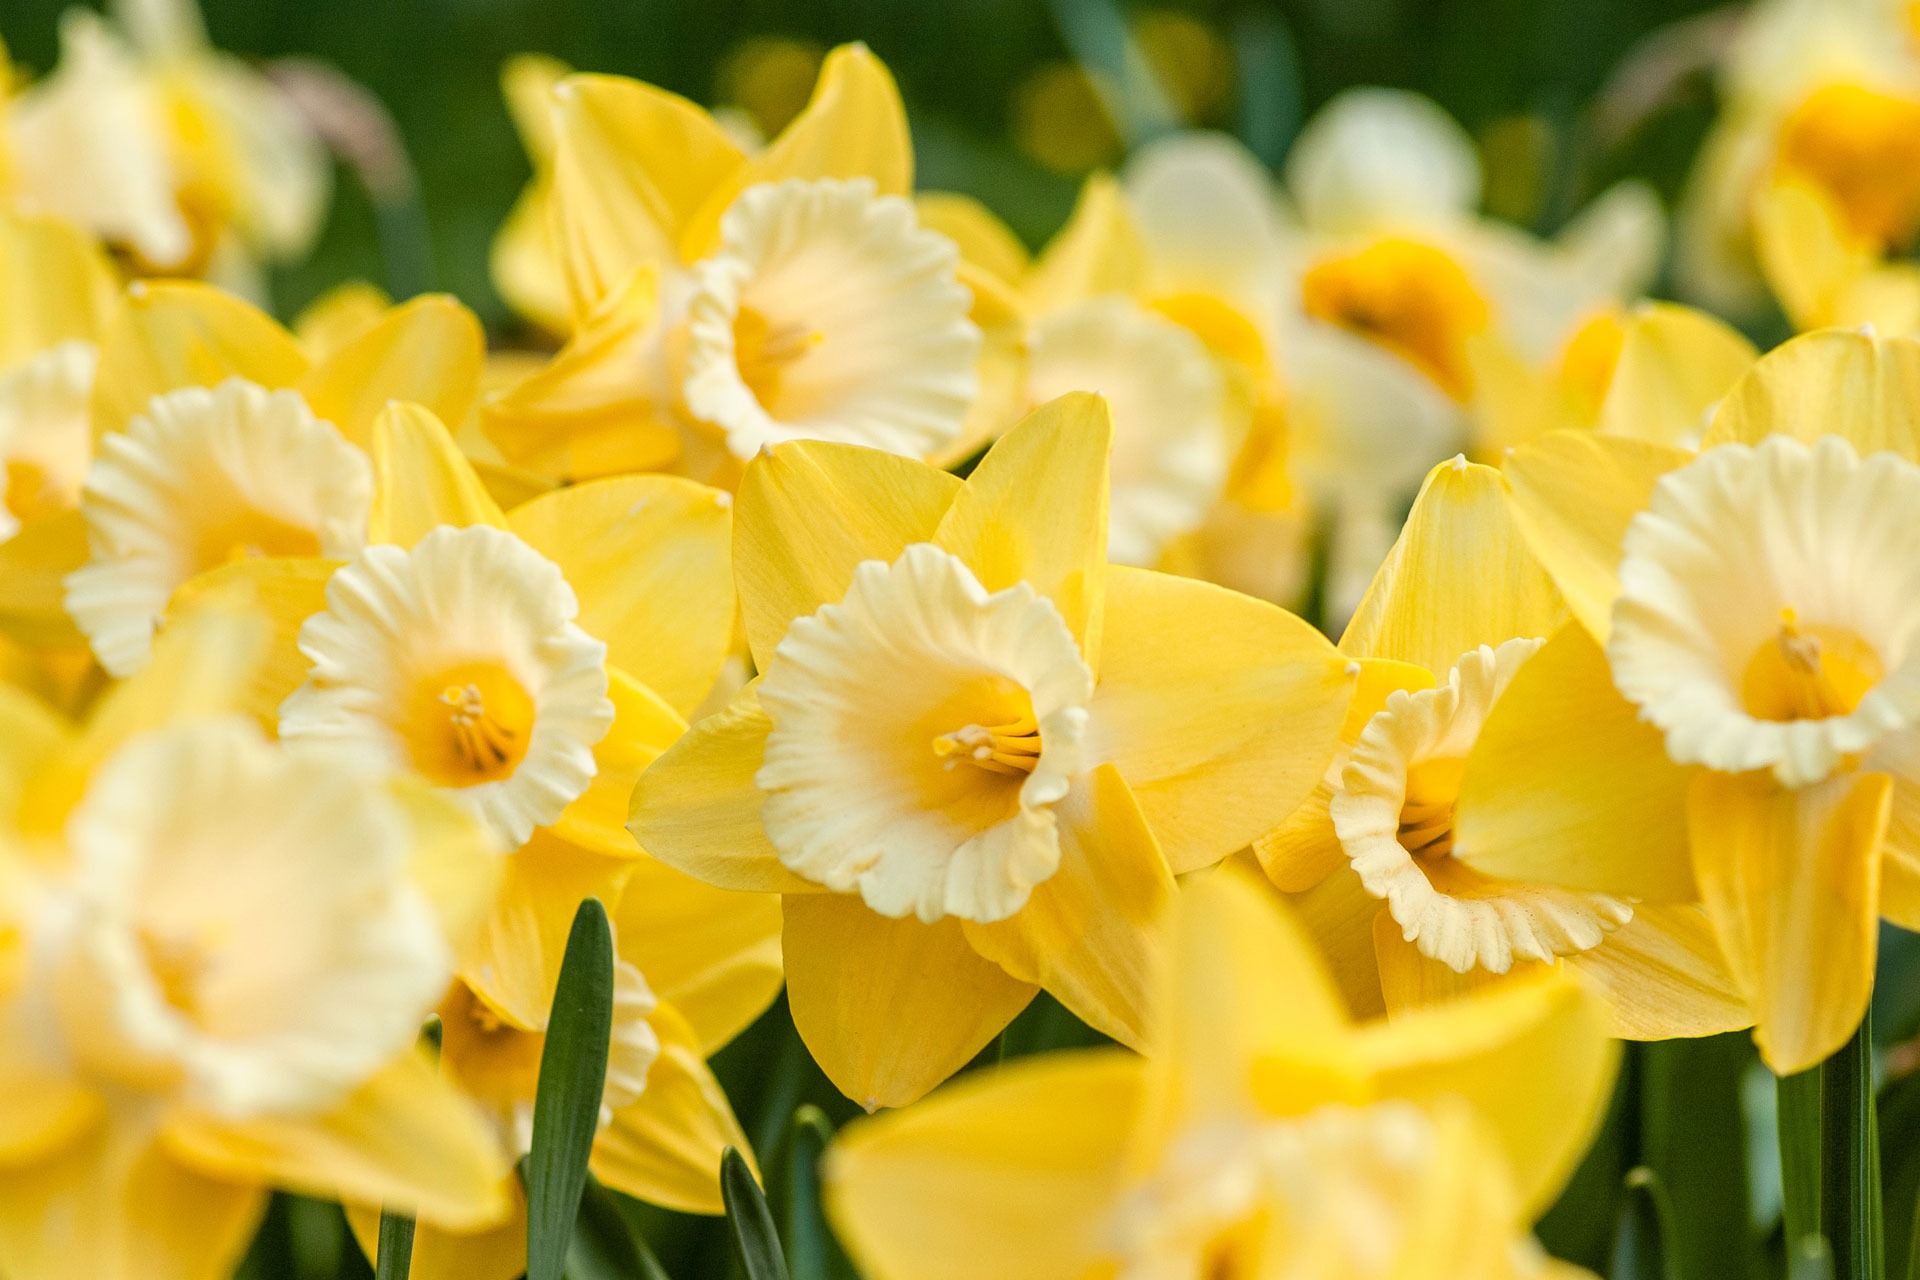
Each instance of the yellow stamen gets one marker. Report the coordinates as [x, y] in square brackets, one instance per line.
[1808, 673]
[1426, 816]
[472, 725]
[1012, 748]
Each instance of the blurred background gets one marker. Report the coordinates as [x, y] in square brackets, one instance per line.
[1012, 101]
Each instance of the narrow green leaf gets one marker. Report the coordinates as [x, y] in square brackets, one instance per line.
[573, 1074]
[1799, 1098]
[605, 1245]
[1810, 1260]
[1642, 1247]
[1850, 1213]
[809, 1246]
[1899, 1107]
[756, 1243]
[396, 1247]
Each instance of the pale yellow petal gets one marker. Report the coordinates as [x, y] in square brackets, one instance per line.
[55, 286]
[286, 593]
[1566, 784]
[43, 1112]
[1011, 1173]
[1791, 880]
[648, 557]
[1410, 980]
[890, 1008]
[34, 565]
[339, 316]
[1665, 976]
[183, 334]
[1221, 711]
[527, 82]
[1573, 493]
[664, 1147]
[983, 239]
[1808, 258]
[713, 954]
[1099, 251]
[429, 351]
[1035, 511]
[1835, 382]
[524, 260]
[1459, 576]
[1675, 364]
[1338, 914]
[31, 736]
[809, 513]
[1091, 934]
[456, 862]
[643, 727]
[696, 808]
[405, 1139]
[1531, 1054]
[421, 479]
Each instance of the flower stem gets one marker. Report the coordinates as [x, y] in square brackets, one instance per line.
[1850, 1159]
[1798, 1097]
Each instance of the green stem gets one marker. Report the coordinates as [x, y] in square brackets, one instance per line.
[1799, 1106]
[1850, 1159]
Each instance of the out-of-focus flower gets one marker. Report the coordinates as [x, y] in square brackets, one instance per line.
[977, 755]
[1743, 671]
[525, 260]
[184, 157]
[228, 951]
[1453, 616]
[1059, 118]
[1266, 1136]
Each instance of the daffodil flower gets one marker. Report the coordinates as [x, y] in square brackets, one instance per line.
[976, 755]
[525, 260]
[228, 950]
[1266, 1135]
[1454, 617]
[1741, 675]
[724, 302]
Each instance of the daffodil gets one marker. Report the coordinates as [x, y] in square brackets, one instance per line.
[1266, 1136]
[1453, 618]
[975, 755]
[724, 302]
[1742, 676]
[695, 965]
[218, 438]
[228, 953]
[525, 260]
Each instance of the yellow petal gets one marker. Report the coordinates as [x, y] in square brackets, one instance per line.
[591, 411]
[1665, 976]
[456, 863]
[31, 736]
[527, 81]
[809, 513]
[1099, 251]
[1338, 914]
[1531, 1054]
[696, 808]
[983, 239]
[1573, 493]
[286, 593]
[664, 1147]
[854, 126]
[1675, 364]
[34, 565]
[1221, 711]
[648, 557]
[1459, 576]
[183, 334]
[421, 479]
[513, 959]
[1035, 511]
[496, 1253]
[889, 1008]
[1090, 934]
[631, 164]
[42, 1112]
[643, 727]
[1809, 259]
[339, 316]
[1011, 1173]
[429, 351]
[1410, 980]
[405, 1139]
[524, 260]
[1835, 382]
[120, 1206]
[55, 286]
[713, 954]
[1567, 786]
[1790, 878]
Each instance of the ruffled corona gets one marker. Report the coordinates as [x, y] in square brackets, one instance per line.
[46, 437]
[923, 728]
[1769, 606]
[459, 659]
[239, 931]
[202, 478]
[829, 313]
[1170, 415]
[1393, 814]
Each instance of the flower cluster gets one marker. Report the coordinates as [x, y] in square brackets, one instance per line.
[859, 604]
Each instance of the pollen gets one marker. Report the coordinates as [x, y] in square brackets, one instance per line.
[1012, 748]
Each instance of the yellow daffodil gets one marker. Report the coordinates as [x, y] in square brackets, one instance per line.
[525, 260]
[976, 755]
[1267, 1136]
[724, 302]
[1742, 677]
[1451, 621]
[695, 965]
[229, 952]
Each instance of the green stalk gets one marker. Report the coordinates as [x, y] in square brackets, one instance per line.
[1800, 1164]
[1850, 1159]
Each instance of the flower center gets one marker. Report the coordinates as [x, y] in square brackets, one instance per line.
[763, 350]
[1012, 748]
[470, 725]
[254, 535]
[1862, 147]
[1426, 818]
[1410, 298]
[1808, 673]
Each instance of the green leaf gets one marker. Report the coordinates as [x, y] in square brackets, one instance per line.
[1850, 1213]
[1693, 1135]
[395, 1257]
[810, 1247]
[1642, 1245]
[756, 1243]
[573, 1074]
[1899, 1108]
[1810, 1260]
[605, 1245]
[1583, 1221]
[1799, 1097]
